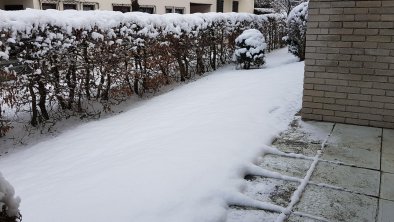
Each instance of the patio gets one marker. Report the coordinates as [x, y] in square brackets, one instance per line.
[348, 171]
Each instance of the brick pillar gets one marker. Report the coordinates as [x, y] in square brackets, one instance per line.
[349, 65]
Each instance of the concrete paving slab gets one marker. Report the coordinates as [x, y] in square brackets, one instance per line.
[270, 190]
[386, 211]
[236, 214]
[351, 178]
[298, 147]
[303, 137]
[388, 141]
[353, 156]
[388, 163]
[336, 205]
[358, 137]
[286, 165]
[307, 131]
[387, 187]
[297, 218]
[388, 151]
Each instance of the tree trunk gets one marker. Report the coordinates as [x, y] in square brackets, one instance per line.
[33, 120]
[87, 73]
[182, 68]
[105, 95]
[43, 97]
[59, 98]
[100, 86]
[71, 83]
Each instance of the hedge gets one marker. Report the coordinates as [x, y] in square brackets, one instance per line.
[55, 64]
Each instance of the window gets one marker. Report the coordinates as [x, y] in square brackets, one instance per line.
[169, 9]
[235, 6]
[13, 7]
[121, 8]
[46, 6]
[88, 7]
[69, 6]
[220, 6]
[147, 9]
[199, 8]
[180, 10]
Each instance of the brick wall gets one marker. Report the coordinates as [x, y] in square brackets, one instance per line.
[349, 65]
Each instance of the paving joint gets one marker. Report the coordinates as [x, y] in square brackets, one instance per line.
[380, 176]
[310, 216]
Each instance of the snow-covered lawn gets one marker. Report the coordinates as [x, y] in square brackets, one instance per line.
[178, 157]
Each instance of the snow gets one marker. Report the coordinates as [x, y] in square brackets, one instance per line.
[296, 30]
[297, 12]
[7, 198]
[28, 20]
[296, 197]
[253, 43]
[178, 157]
[252, 37]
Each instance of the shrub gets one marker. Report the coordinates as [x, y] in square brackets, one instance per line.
[9, 205]
[296, 30]
[4, 127]
[250, 49]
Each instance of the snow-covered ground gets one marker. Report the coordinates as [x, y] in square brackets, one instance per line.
[178, 157]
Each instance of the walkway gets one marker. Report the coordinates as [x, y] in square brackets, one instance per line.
[340, 173]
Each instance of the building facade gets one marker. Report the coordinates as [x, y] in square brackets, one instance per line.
[235, 6]
[349, 66]
[149, 6]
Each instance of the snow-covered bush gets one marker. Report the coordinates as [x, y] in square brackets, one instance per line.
[9, 205]
[296, 30]
[250, 49]
[4, 127]
[69, 62]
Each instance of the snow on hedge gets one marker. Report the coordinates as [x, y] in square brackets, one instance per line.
[29, 21]
[69, 19]
[250, 48]
[7, 199]
[296, 30]
[299, 13]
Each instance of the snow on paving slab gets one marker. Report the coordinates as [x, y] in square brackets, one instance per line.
[180, 156]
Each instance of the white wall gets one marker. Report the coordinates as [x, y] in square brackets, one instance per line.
[243, 6]
[228, 6]
[107, 4]
[246, 6]
[160, 5]
[201, 8]
[210, 2]
[25, 3]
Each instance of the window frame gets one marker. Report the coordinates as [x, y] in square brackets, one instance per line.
[121, 6]
[180, 8]
[169, 8]
[153, 7]
[219, 5]
[235, 6]
[49, 3]
[13, 7]
[89, 4]
[70, 3]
